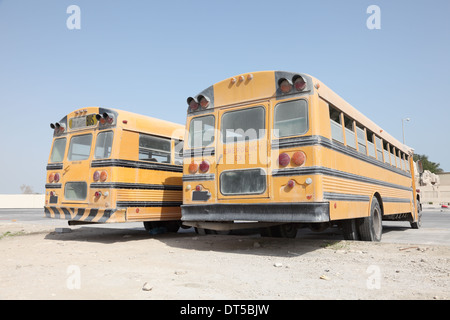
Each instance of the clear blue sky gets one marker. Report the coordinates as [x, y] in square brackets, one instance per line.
[148, 56]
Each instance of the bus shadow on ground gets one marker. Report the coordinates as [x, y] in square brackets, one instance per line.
[241, 242]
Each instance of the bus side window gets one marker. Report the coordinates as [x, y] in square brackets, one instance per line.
[407, 163]
[361, 139]
[386, 151]
[336, 125]
[154, 149]
[379, 146]
[349, 132]
[392, 156]
[178, 151]
[399, 163]
[370, 143]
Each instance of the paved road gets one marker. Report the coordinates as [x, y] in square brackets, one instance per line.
[435, 227]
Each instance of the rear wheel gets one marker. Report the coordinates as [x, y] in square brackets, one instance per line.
[371, 227]
[350, 229]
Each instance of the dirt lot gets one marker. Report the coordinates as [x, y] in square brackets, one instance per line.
[102, 263]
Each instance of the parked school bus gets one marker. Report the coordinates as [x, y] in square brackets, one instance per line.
[280, 150]
[109, 166]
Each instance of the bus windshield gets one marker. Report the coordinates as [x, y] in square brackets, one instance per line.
[59, 147]
[201, 132]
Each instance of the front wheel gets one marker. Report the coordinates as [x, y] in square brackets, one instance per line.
[371, 227]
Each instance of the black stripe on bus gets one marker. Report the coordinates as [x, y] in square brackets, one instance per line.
[210, 151]
[199, 177]
[327, 143]
[136, 165]
[53, 186]
[345, 197]
[335, 173]
[148, 203]
[139, 186]
[396, 200]
[54, 166]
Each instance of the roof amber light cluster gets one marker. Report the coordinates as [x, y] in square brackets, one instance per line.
[105, 118]
[201, 102]
[288, 85]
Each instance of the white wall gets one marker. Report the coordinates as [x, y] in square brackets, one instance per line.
[22, 201]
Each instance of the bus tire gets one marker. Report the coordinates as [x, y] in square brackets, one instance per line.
[371, 227]
[417, 224]
[350, 229]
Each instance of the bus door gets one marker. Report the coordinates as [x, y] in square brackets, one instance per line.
[242, 164]
[75, 175]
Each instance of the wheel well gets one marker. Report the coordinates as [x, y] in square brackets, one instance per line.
[380, 202]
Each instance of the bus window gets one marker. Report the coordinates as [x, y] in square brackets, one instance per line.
[242, 125]
[75, 191]
[80, 147]
[336, 126]
[59, 147]
[154, 149]
[291, 118]
[386, 151]
[103, 145]
[399, 163]
[178, 151]
[349, 132]
[236, 182]
[370, 143]
[361, 139]
[201, 132]
[392, 156]
[407, 163]
[379, 146]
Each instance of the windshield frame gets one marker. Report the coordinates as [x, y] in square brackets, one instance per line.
[192, 132]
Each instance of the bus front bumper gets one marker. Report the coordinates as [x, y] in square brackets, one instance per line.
[266, 212]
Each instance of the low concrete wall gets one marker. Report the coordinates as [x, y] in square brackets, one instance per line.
[21, 201]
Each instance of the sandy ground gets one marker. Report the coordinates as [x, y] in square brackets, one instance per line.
[102, 263]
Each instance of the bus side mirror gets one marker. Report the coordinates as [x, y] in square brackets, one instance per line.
[420, 166]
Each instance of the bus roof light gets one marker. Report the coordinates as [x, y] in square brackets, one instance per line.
[52, 126]
[192, 103]
[204, 101]
[56, 177]
[285, 85]
[193, 167]
[299, 83]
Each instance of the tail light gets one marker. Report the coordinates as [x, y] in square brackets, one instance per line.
[52, 193]
[299, 83]
[298, 158]
[291, 183]
[285, 85]
[103, 176]
[57, 177]
[204, 166]
[51, 177]
[193, 167]
[198, 188]
[97, 194]
[284, 159]
[96, 176]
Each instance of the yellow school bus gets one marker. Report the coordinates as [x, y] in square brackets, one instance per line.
[280, 150]
[109, 165]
